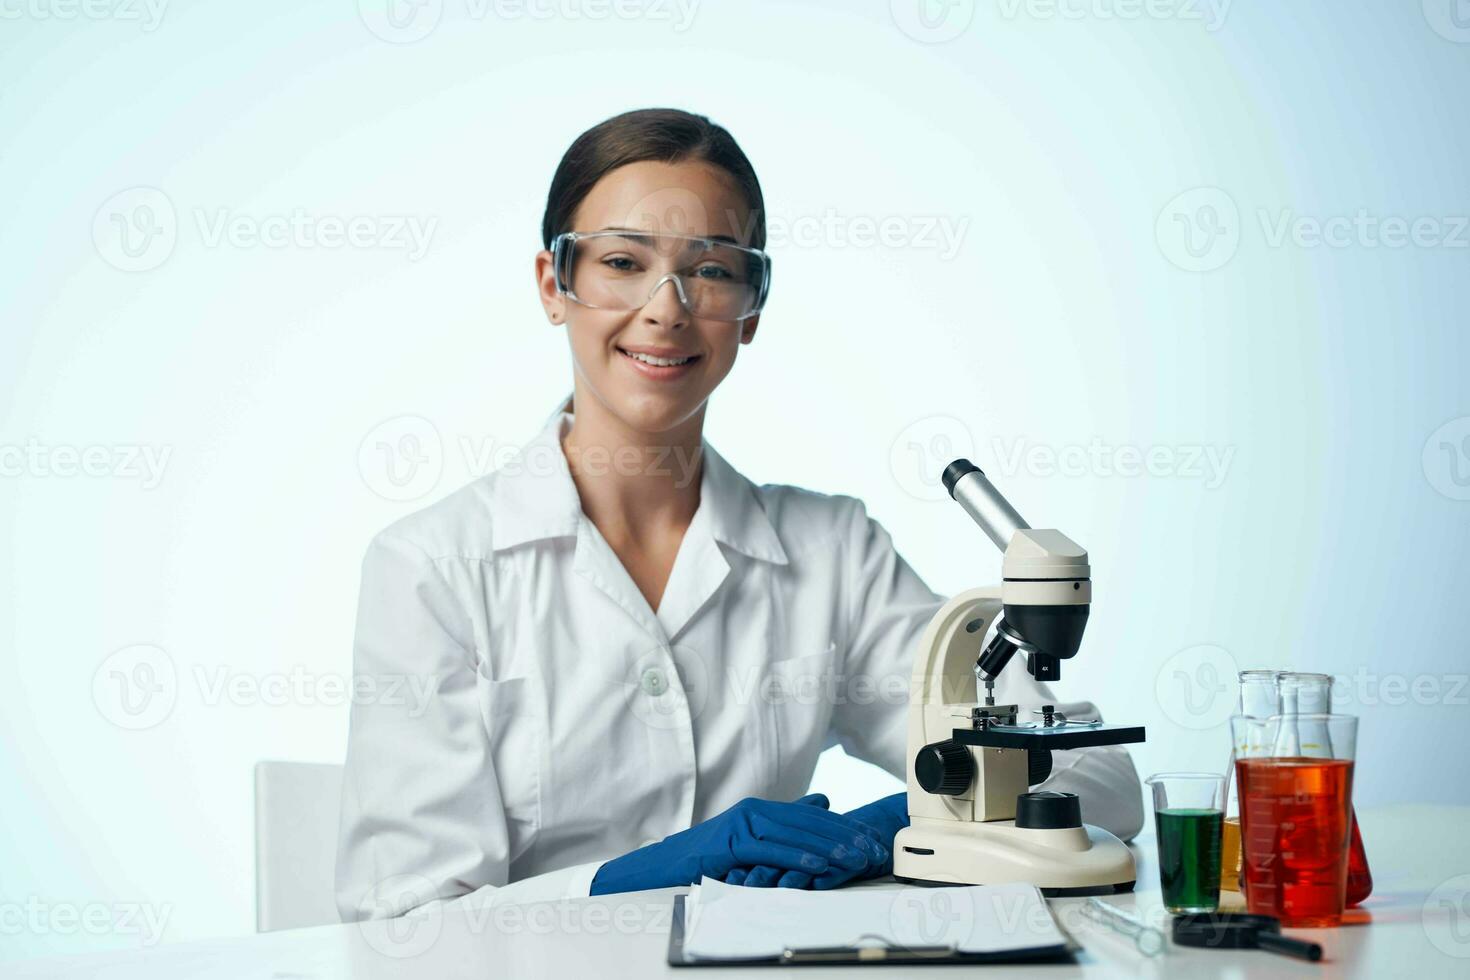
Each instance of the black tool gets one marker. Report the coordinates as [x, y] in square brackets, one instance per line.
[1227, 930]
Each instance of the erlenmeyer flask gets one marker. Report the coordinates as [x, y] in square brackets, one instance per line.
[1260, 697]
[1311, 694]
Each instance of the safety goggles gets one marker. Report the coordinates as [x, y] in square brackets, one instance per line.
[621, 270]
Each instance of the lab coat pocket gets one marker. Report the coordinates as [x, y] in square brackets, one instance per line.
[513, 712]
[799, 692]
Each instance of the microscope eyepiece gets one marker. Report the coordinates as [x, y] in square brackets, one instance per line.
[954, 471]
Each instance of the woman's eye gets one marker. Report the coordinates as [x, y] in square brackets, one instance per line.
[712, 272]
[620, 262]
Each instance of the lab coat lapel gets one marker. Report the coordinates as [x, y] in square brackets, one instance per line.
[699, 570]
[599, 564]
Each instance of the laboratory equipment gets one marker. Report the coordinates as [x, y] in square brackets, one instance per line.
[1264, 693]
[972, 819]
[1148, 940]
[1188, 813]
[1237, 931]
[1295, 814]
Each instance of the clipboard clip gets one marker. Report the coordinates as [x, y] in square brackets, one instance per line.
[864, 954]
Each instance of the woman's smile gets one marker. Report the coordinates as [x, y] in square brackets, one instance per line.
[659, 363]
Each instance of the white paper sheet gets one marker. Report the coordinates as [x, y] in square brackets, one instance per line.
[731, 921]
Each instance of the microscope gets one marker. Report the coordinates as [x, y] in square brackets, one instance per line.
[972, 819]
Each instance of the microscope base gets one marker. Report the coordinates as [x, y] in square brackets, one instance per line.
[1084, 860]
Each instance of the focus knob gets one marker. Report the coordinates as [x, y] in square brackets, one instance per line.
[945, 768]
[1048, 810]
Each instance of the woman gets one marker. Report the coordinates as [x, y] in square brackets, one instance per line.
[636, 654]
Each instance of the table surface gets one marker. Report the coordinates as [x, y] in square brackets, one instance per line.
[1417, 923]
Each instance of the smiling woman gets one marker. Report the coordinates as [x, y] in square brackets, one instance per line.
[609, 645]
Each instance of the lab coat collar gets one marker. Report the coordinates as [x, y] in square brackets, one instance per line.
[535, 498]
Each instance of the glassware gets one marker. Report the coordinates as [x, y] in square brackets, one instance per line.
[1188, 813]
[622, 270]
[1268, 692]
[1296, 814]
[1259, 698]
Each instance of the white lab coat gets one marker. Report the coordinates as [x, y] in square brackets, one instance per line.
[571, 723]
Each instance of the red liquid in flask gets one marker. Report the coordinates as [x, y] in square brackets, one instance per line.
[1360, 879]
[1296, 826]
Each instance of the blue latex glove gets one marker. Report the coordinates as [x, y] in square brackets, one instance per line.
[883, 818]
[803, 836]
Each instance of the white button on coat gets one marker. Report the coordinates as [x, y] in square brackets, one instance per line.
[571, 723]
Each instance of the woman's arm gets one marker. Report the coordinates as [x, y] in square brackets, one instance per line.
[422, 818]
[889, 606]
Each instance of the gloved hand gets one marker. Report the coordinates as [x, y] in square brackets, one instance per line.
[884, 819]
[802, 836]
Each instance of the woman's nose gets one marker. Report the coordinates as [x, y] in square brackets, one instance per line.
[666, 303]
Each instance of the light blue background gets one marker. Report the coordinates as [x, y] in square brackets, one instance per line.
[1066, 316]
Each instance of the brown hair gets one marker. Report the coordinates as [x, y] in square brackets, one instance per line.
[665, 135]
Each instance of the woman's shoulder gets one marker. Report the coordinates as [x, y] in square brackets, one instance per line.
[458, 524]
[806, 519]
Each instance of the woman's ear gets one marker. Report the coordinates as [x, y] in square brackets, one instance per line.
[551, 301]
[747, 328]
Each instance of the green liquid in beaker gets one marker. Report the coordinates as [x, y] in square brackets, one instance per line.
[1189, 858]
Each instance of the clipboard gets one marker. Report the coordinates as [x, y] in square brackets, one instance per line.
[863, 955]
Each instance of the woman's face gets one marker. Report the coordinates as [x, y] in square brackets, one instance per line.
[690, 198]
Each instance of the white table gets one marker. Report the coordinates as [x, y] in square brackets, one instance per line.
[1416, 924]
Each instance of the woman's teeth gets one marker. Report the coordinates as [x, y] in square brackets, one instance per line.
[657, 361]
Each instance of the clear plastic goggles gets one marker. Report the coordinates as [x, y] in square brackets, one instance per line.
[621, 270]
